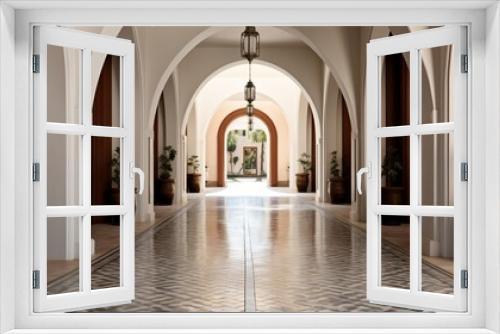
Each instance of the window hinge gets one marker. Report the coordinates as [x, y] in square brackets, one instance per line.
[36, 63]
[465, 64]
[464, 171]
[464, 279]
[36, 279]
[36, 172]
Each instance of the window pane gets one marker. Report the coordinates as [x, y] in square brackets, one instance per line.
[395, 89]
[437, 254]
[437, 169]
[63, 169]
[63, 255]
[395, 170]
[395, 258]
[106, 251]
[106, 85]
[63, 84]
[436, 98]
[106, 169]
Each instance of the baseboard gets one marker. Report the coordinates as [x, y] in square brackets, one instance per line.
[283, 184]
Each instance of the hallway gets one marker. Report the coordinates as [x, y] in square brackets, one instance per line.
[255, 254]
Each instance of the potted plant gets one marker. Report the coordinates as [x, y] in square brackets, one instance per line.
[259, 137]
[115, 176]
[337, 189]
[231, 147]
[193, 177]
[167, 183]
[392, 167]
[235, 162]
[302, 179]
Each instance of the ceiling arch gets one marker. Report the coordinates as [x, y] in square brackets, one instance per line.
[334, 48]
[304, 75]
[260, 97]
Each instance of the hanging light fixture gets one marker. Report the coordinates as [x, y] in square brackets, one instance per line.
[250, 124]
[250, 49]
[250, 109]
[250, 91]
[250, 113]
[250, 44]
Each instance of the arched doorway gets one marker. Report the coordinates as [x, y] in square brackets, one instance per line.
[273, 134]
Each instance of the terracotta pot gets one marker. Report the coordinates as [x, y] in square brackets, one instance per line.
[115, 196]
[193, 183]
[337, 191]
[392, 195]
[302, 181]
[167, 191]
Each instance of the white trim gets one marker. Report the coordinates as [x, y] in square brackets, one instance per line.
[86, 297]
[220, 4]
[412, 43]
[418, 129]
[77, 129]
[77, 211]
[418, 210]
[276, 14]
[7, 168]
[490, 158]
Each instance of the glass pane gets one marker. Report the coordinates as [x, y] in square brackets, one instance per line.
[395, 89]
[63, 169]
[63, 84]
[436, 98]
[105, 252]
[63, 249]
[106, 85]
[437, 169]
[105, 169]
[395, 260]
[395, 170]
[437, 254]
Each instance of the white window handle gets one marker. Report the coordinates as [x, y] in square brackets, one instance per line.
[359, 174]
[134, 170]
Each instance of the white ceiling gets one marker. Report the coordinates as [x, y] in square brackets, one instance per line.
[268, 36]
[259, 71]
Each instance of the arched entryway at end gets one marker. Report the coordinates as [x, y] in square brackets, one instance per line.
[273, 134]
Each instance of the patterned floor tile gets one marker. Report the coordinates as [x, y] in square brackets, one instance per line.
[303, 260]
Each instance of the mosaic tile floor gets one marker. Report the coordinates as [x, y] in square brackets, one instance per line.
[255, 254]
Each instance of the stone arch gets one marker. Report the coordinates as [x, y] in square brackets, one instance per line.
[347, 90]
[314, 106]
[334, 66]
[273, 144]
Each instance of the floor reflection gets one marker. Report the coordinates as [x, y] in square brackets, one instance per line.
[294, 258]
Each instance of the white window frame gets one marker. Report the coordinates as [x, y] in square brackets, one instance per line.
[16, 224]
[412, 44]
[86, 297]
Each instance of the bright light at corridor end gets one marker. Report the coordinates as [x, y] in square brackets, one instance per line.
[251, 188]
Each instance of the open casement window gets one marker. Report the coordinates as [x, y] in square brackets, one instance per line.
[67, 66]
[417, 169]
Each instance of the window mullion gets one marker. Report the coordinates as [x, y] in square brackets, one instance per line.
[414, 171]
[86, 239]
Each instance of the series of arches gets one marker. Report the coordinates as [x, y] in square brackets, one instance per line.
[281, 60]
[333, 62]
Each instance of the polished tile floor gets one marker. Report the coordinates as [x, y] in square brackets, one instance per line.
[255, 254]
